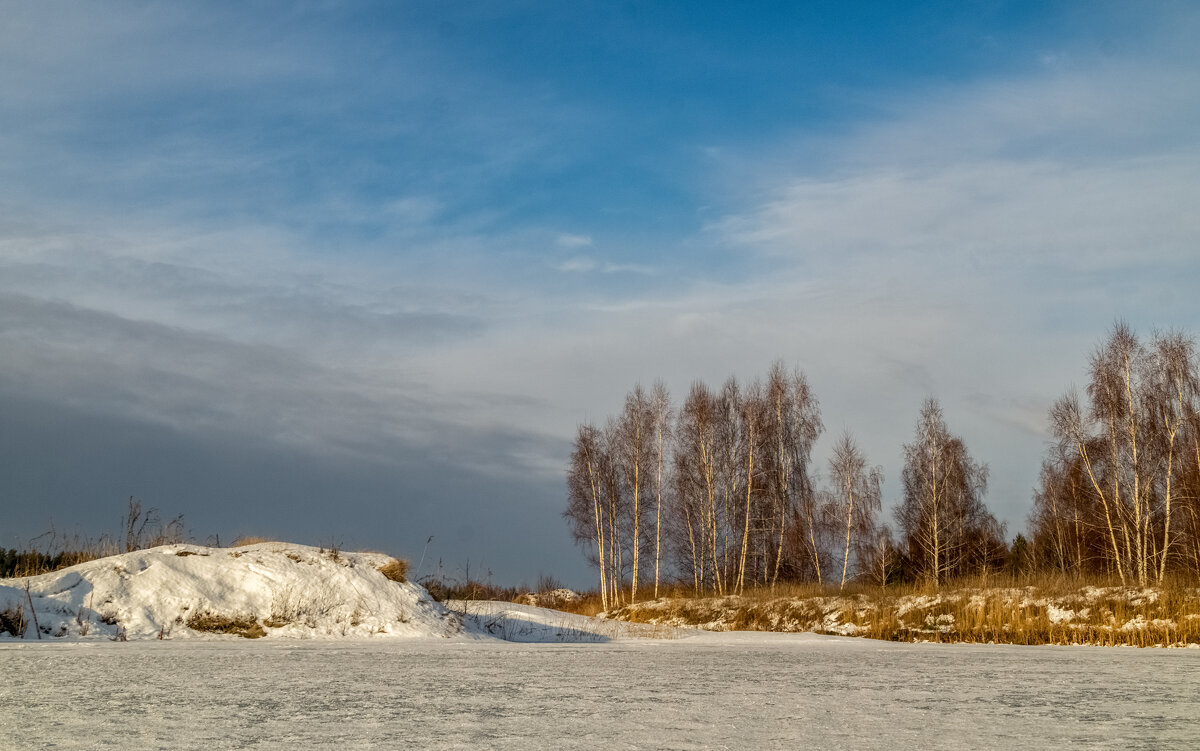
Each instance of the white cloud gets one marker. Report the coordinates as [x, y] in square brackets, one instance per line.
[1097, 167]
[585, 264]
[578, 264]
[573, 241]
[628, 268]
[996, 212]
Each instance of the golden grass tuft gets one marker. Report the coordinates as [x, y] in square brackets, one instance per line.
[396, 569]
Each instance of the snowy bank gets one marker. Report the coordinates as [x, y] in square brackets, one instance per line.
[187, 591]
[531, 624]
[1135, 616]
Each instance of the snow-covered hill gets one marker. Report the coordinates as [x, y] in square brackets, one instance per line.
[185, 591]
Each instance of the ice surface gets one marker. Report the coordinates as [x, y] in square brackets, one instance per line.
[727, 690]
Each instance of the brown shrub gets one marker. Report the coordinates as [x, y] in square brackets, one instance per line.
[13, 621]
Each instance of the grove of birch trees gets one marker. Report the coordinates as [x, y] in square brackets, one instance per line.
[720, 493]
[1120, 487]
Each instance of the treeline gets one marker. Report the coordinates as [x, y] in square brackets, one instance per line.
[1120, 489]
[15, 562]
[721, 493]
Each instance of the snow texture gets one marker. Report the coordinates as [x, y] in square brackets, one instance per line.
[709, 690]
[283, 589]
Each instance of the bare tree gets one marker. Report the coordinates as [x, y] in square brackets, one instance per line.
[1130, 444]
[1172, 400]
[1116, 379]
[661, 413]
[751, 417]
[1067, 424]
[1063, 521]
[792, 427]
[696, 473]
[617, 510]
[880, 558]
[728, 451]
[635, 448]
[942, 517]
[586, 508]
[856, 497]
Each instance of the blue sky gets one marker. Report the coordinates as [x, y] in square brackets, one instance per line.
[354, 272]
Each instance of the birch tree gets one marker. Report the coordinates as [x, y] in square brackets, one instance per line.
[635, 446]
[793, 424]
[1172, 401]
[1062, 522]
[586, 505]
[751, 417]
[696, 473]
[661, 418]
[856, 498]
[942, 514]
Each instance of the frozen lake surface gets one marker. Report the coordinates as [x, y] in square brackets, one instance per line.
[711, 691]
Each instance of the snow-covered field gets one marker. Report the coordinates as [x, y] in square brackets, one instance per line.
[729, 690]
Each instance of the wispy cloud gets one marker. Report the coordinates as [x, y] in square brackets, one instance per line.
[573, 241]
[578, 264]
[585, 264]
[1098, 164]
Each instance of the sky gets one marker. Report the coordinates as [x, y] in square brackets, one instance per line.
[353, 273]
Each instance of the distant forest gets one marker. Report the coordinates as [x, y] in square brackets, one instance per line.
[719, 494]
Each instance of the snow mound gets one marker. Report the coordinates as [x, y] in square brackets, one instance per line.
[187, 591]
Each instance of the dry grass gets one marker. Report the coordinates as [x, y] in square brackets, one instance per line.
[588, 604]
[246, 626]
[250, 540]
[443, 589]
[18, 564]
[396, 569]
[1042, 610]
